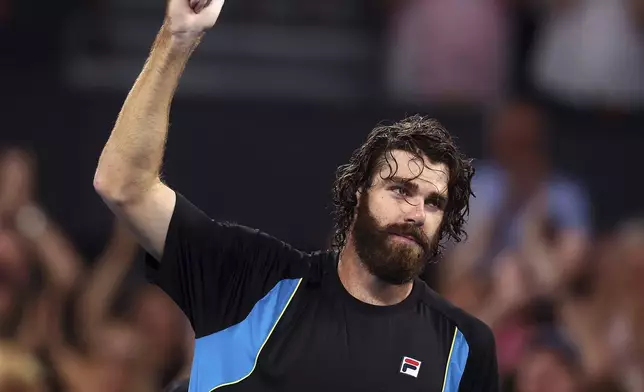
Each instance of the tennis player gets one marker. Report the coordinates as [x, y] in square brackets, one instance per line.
[268, 317]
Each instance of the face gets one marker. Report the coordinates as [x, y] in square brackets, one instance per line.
[542, 370]
[120, 359]
[398, 218]
[160, 323]
[516, 137]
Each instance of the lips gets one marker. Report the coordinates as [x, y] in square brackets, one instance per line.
[409, 233]
[408, 237]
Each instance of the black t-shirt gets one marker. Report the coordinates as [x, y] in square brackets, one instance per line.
[268, 317]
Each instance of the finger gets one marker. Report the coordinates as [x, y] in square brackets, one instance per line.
[213, 8]
[201, 4]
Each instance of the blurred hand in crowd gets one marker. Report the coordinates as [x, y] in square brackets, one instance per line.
[17, 181]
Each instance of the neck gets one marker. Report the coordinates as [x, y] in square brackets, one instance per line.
[364, 286]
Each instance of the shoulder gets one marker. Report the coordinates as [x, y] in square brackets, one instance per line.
[256, 244]
[320, 263]
[477, 335]
[472, 362]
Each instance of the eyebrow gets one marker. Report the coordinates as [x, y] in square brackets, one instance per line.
[434, 196]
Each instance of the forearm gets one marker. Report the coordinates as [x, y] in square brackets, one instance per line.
[58, 256]
[111, 268]
[132, 157]
[492, 313]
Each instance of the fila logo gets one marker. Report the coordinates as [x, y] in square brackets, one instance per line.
[410, 366]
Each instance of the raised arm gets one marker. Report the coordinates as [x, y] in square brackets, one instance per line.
[128, 173]
[106, 277]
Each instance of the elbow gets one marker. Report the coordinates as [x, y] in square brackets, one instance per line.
[118, 190]
[108, 189]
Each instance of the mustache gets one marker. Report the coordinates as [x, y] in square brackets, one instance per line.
[408, 230]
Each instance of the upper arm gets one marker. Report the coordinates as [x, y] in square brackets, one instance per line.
[481, 371]
[216, 272]
[148, 217]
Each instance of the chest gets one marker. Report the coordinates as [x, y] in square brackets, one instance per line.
[321, 344]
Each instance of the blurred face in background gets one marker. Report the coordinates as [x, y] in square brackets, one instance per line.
[161, 324]
[19, 370]
[517, 140]
[397, 222]
[120, 359]
[543, 370]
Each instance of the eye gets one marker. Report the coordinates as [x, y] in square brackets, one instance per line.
[400, 190]
[434, 203]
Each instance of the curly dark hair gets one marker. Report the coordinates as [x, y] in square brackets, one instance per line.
[420, 136]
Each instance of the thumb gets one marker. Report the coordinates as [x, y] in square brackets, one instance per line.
[198, 5]
[211, 9]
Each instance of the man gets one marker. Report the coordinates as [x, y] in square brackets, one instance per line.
[605, 72]
[270, 318]
[519, 184]
[549, 363]
[432, 58]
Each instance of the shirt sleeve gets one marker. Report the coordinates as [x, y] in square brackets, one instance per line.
[481, 372]
[216, 272]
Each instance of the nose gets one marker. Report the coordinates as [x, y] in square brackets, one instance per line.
[415, 213]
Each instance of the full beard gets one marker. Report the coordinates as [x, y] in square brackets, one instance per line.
[392, 262]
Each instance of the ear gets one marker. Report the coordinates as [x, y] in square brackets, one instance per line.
[359, 194]
[362, 191]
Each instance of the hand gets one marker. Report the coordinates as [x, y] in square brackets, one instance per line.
[16, 181]
[510, 288]
[192, 17]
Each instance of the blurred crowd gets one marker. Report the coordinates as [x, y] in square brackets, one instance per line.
[69, 324]
[586, 53]
[565, 301]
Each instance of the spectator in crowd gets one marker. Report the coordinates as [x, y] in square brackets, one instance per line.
[529, 230]
[447, 51]
[519, 175]
[141, 348]
[549, 363]
[606, 321]
[591, 53]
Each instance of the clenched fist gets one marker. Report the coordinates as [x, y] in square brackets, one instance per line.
[192, 16]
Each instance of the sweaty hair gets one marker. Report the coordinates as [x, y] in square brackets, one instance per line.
[419, 136]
